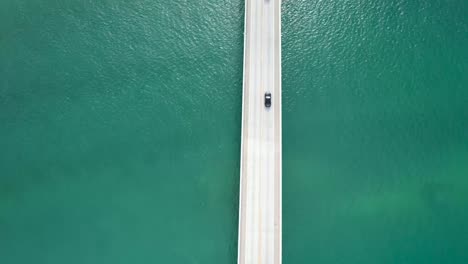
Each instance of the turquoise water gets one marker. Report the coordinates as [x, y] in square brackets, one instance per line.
[375, 132]
[120, 131]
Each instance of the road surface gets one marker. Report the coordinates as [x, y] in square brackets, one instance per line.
[260, 176]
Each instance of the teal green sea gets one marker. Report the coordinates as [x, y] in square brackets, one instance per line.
[120, 131]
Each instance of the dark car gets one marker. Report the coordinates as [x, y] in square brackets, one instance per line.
[267, 99]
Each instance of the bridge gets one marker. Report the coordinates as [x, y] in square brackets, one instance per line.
[260, 174]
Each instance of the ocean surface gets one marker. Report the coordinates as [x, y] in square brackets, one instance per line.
[120, 131]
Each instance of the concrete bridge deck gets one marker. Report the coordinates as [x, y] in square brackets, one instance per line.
[260, 183]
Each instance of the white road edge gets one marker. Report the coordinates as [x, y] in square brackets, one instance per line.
[260, 238]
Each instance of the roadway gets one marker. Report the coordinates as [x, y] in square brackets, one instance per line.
[260, 174]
